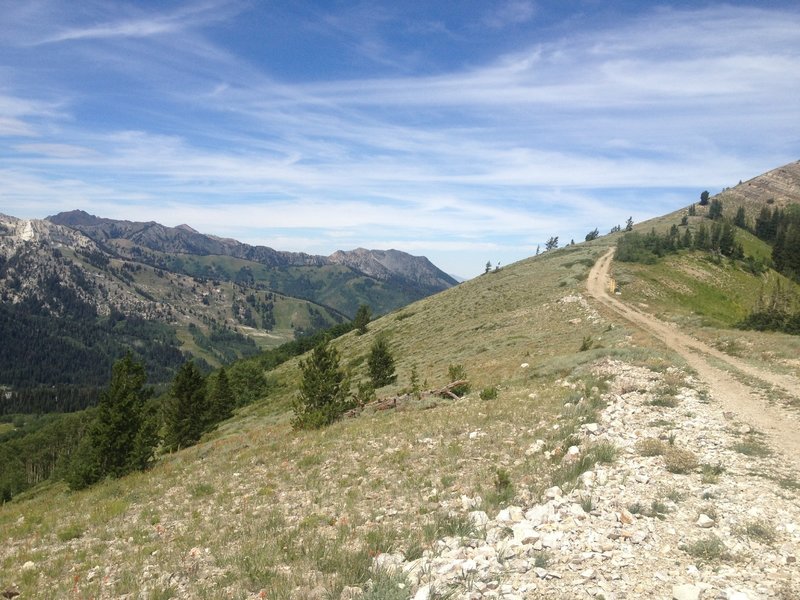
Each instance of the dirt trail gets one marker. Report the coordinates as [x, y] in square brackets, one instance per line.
[781, 426]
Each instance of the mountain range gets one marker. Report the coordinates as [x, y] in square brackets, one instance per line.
[75, 284]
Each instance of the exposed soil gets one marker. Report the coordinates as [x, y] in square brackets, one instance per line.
[746, 401]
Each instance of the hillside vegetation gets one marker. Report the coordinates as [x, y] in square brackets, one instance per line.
[259, 510]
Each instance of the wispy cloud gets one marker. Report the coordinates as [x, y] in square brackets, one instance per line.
[156, 24]
[510, 12]
[558, 136]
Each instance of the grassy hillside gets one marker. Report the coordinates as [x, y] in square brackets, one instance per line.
[260, 507]
[258, 510]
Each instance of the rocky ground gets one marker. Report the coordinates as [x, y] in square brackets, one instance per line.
[695, 506]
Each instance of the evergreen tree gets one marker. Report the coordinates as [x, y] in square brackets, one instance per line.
[692, 210]
[687, 238]
[185, 410]
[362, 319]
[324, 389]
[763, 228]
[592, 235]
[740, 220]
[221, 400]
[715, 210]
[701, 241]
[704, 198]
[122, 437]
[381, 364]
[488, 267]
[551, 244]
[629, 224]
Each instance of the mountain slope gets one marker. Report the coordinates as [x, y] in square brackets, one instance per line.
[603, 468]
[405, 276]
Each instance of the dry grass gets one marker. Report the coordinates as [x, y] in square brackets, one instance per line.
[259, 508]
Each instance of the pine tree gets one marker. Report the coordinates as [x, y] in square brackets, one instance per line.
[122, 436]
[701, 240]
[687, 238]
[629, 224]
[740, 220]
[381, 364]
[324, 389]
[704, 198]
[185, 411]
[221, 400]
[715, 210]
[362, 318]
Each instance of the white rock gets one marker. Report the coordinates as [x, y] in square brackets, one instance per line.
[29, 566]
[524, 533]
[516, 514]
[467, 502]
[478, 518]
[524, 366]
[423, 593]
[686, 591]
[553, 492]
[541, 514]
[388, 562]
[705, 521]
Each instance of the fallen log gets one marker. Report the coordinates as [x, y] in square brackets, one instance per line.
[395, 401]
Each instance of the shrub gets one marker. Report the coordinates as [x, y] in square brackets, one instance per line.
[760, 530]
[458, 373]
[489, 393]
[752, 448]
[707, 550]
[678, 460]
[651, 447]
[711, 473]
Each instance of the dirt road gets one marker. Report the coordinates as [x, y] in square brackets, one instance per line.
[781, 426]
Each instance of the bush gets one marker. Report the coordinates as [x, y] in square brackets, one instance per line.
[680, 461]
[489, 393]
[650, 447]
[458, 373]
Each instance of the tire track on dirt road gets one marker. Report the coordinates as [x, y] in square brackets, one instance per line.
[781, 426]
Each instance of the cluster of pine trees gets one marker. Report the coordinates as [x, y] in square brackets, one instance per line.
[719, 238]
[781, 228]
[129, 426]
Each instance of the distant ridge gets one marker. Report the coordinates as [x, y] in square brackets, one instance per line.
[384, 265]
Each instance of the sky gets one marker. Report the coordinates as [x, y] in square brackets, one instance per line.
[466, 131]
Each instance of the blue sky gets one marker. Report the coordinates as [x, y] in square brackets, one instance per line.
[465, 131]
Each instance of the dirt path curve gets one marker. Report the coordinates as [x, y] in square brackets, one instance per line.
[781, 426]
